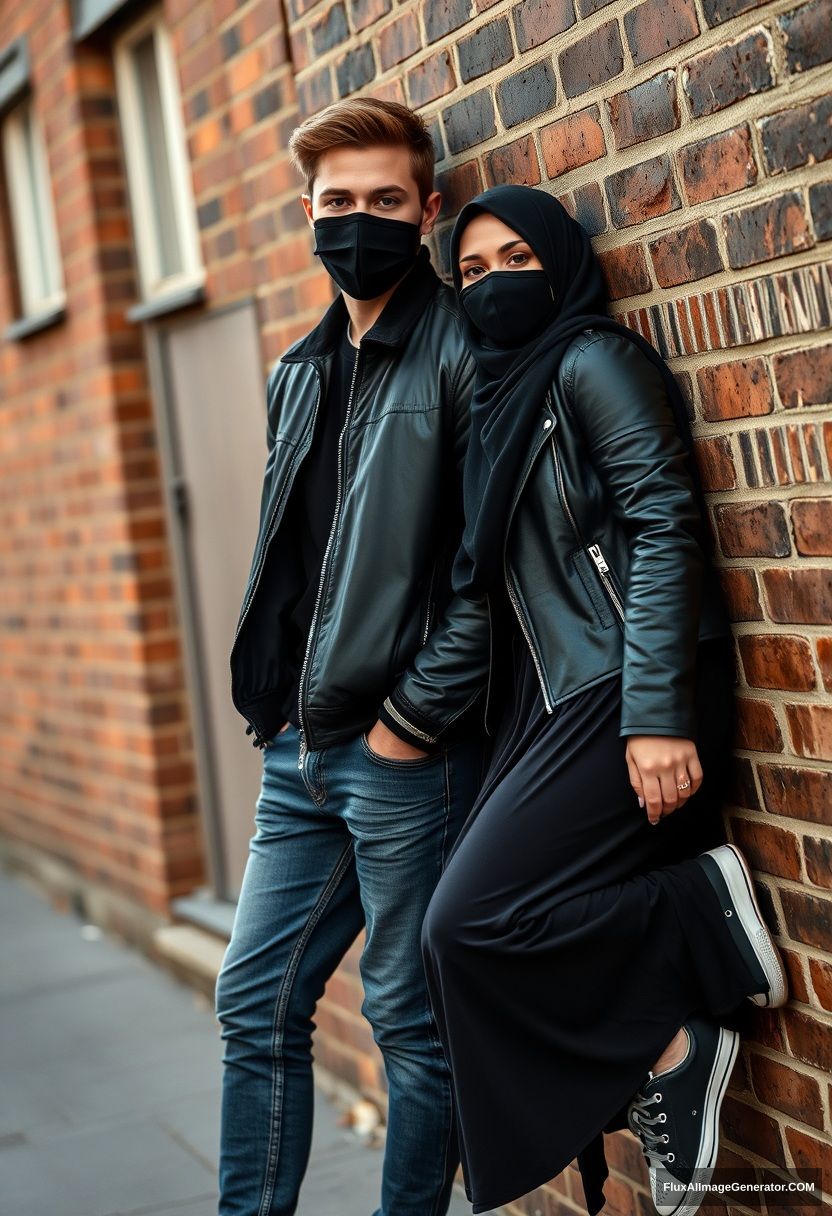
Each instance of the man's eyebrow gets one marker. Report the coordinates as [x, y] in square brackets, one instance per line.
[348, 193]
[473, 257]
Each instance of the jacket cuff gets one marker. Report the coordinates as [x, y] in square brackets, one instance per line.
[404, 720]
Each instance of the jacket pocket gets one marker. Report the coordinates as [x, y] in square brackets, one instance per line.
[589, 577]
[608, 579]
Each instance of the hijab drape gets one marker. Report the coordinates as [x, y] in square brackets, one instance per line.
[511, 382]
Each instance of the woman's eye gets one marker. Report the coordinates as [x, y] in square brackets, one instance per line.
[473, 272]
[524, 257]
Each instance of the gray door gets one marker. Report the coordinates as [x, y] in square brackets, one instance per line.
[209, 386]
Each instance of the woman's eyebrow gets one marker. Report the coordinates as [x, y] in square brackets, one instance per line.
[508, 245]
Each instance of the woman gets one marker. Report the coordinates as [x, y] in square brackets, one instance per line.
[585, 956]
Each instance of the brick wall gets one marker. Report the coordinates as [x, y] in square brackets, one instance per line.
[693, 139]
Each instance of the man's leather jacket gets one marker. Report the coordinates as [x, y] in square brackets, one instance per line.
[604, 558]
[387, 639]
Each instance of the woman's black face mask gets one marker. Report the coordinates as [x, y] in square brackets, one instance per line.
[366, 254]
[510, 306]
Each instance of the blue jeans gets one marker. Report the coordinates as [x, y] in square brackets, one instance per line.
[353, 840]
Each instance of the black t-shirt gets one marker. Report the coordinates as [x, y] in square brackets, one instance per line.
[307, 521]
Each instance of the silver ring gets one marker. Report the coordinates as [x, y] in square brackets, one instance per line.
[683, 786]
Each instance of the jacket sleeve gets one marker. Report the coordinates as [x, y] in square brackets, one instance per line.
[450, 670]
[620, 402]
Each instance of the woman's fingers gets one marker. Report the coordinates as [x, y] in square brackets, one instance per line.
[653, 798]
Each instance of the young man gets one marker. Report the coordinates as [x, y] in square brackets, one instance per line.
[359, 672]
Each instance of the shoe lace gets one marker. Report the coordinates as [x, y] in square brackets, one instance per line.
[642, 1123]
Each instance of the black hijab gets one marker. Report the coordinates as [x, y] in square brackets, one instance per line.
[511, 382]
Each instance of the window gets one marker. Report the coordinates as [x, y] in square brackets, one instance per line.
[29, 193]
[167, 242]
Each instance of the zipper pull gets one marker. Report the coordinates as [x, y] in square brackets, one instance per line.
[598, 558]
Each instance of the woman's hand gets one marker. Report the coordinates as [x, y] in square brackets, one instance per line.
[658, 765]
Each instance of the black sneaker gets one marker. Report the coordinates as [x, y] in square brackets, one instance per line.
[675, 1116]
[730, 877]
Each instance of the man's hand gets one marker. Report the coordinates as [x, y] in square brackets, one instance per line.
[658, 765]
[285, 726]
[382, 740]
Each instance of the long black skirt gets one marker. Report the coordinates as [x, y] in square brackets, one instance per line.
[568, 939]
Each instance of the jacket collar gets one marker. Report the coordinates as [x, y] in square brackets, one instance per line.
[399, 314]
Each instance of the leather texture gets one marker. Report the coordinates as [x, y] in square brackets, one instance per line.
[606, 484]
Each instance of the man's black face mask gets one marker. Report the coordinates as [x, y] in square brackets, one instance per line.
[366, 254]
[510, 306]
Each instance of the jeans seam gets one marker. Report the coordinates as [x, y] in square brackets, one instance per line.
[278, 1024]
[433, 1029]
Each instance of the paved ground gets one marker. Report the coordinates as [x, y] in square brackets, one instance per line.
[109, 1083]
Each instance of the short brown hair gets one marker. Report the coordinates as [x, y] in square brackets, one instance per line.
[364, 122]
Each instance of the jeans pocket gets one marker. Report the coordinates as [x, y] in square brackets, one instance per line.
[393, 762]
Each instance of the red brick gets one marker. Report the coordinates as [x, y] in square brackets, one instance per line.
[430, 79]
[718, 165]
[716, 464]
[514, 162]
[820, 972]
[811, 730]
[812, 523]
[742, 593]
[753, 530]
[641, 192]
[536, 21]
[459, 184]
[645, 111]
[737, 389]
[809, 1039]
[769, 848]
[398, 40]
[592, 60]
[572, 141]
[799, 597]
[757, 728]
[804, 377]
[786, 1090]
[824, 650]
[686, 254]
[777, 661]
[767, 230]
[807, 34]
[657, 26]
[753, 1129]
[625, 271]
[729, 72]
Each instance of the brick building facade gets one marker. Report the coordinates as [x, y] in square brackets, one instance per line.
[694, 139]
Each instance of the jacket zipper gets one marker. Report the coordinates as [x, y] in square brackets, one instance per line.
[302, 730]
[604, 570]
[258, 740]
[511, 594]
[426, 629]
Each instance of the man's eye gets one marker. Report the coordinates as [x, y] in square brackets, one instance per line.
[389, 199]
[333, 202]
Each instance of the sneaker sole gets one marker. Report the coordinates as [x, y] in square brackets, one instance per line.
[740, 885]
[727, 1052]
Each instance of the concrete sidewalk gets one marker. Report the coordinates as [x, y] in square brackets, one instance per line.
[110, 1075]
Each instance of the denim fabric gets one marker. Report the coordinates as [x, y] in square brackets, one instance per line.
[350, 840]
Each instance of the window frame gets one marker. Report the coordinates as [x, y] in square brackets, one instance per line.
[155, 287]
[27, 196]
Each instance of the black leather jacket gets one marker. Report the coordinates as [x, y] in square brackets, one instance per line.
[604, 561]
[387, 637]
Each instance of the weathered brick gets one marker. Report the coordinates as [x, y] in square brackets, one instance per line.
[818, 852]
[783, 1088]
[719, 164]
[751, 1128]
[799, 597]
[736, 389]
[804, 377]
[356, 69]
[808, 1152]
[808, 1037]
[757, 728]
[808, 919]
[767, 230]
[515, 162]
[625, 271]
[801, 135]
[572, 141]
[820, 202]
[432, 78]
[777, 661]
[645, 111]
[459, 184]
[536, 21]
[743, 594]
[726, 74]
[330, 30]
[686, 254]
[470, 121]
[642, 192]
[315, 91]
[398, 40]
[807, 34]
[527, 93]
[769, 848]
[366, 12]
[812, 523]
[442, 16]
[758, 529]
[717, 11]
[486, 49]
[589, 208]
[592, 61]
[796, 792]
[657, 26]
[811, 730]
[587, 7]
[716, 464]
